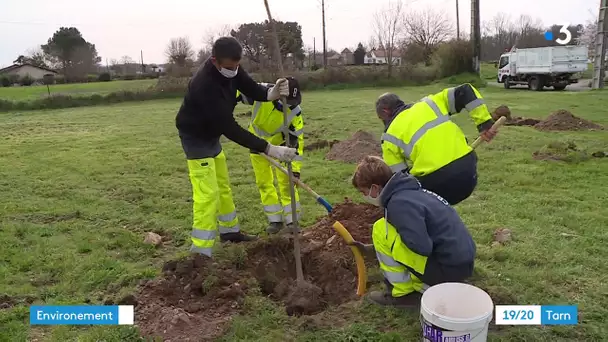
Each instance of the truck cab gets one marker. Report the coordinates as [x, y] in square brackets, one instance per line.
[504, 66]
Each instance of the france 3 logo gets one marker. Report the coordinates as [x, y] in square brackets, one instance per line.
[563, 30]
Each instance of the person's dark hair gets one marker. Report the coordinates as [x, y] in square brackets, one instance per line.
[227, 48]
[387, 101]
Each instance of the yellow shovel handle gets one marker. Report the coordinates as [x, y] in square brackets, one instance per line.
[359, 260]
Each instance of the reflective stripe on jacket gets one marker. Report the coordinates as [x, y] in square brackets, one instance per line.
[267, 123]
[424, 136]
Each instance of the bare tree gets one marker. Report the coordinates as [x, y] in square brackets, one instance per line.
[587, 36]
[387, 28]
[213, 34]
[179, 51]
[208, 39]
[428, 28]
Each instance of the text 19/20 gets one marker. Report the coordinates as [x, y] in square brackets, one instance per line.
[518, 315]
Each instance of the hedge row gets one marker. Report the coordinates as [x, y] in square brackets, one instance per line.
[449, 60]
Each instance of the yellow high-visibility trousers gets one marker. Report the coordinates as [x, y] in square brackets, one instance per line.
[213, 205]
[276, 210]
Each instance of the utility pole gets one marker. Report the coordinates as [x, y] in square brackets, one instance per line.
[324, 39]
[476, 34]
[457, 23]
[600, 48]
[314, 52]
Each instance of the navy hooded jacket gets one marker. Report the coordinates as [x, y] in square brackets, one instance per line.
[426, 223]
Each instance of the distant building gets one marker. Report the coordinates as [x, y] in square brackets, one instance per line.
[348, 57]
[22, 70]
[380, 57]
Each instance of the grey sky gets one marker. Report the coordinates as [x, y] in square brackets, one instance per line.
[125, 27]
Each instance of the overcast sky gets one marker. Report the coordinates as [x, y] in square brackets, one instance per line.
[124, 27]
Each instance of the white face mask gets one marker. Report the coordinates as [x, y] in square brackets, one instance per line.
[372, 200]
[229, 73]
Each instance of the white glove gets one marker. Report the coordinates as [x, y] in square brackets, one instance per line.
[282, 153]
[281, 88]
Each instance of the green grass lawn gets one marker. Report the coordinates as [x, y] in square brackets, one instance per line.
[80, 187]
[487, 71]
[76, 89]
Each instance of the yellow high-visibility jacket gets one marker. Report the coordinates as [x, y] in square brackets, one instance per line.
[423, 136]
[267, 123]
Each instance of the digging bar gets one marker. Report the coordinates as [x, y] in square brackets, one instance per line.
[292, 192]
[322, 201]
[497, 124]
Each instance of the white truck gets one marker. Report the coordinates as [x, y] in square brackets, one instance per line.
[553, 66]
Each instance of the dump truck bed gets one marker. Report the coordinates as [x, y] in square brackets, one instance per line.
[551, 60]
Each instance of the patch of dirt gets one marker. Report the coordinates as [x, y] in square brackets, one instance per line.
[320, 144]
[520, 121]
[501, 111]
[7, 302]
[359, 146]
[196, 297]
[501, 236]
[561, 151]
[563, 120]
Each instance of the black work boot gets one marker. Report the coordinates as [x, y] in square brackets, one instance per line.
[291, 228]
[237, 237]
[274, 227]
[409, 301]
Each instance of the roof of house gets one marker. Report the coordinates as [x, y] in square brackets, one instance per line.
[382, 54]
[17, 66]
[346, 50]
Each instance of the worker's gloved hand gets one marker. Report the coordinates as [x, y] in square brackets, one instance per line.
[297, 175]
[488, 134]
[281, 153]
[281, 88]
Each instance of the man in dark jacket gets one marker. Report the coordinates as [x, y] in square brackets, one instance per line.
[420, 242]
[204, 116]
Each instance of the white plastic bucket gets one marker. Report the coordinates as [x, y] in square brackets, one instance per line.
[455, 312]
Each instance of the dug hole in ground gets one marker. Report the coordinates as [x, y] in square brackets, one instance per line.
[195, 297]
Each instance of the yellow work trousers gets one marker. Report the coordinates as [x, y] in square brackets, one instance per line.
[275, 210]
[212, 202]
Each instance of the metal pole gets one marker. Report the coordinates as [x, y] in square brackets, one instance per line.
[324, 38]
[457, 23]
[599, 63]
[475, 34]
[292, 190]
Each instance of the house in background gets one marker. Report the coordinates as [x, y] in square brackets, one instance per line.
[22, 70]
[380, 57]
[348, 57]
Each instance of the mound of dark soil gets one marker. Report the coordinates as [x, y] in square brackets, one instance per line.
[195, 297]
[501, 111]
[519, 121]
[563, 120]
[353, 150]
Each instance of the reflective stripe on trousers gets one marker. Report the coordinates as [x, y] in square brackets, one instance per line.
[212, 202]
[269, 196]
[391, 276]
[274, 212]
[409, 147]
